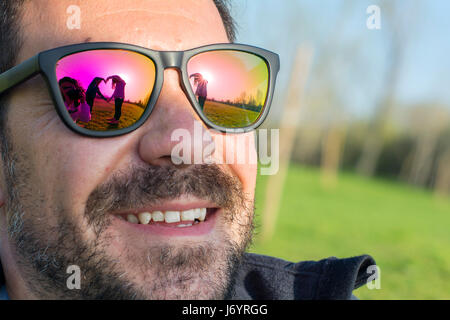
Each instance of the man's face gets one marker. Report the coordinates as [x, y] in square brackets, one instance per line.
[63, 193]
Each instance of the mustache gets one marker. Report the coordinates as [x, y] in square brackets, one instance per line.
[146, 186]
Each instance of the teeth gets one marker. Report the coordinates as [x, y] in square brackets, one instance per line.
[132, 218]
[145, 217]
[202, 214]
[184, 225]
[172, 216]
[195, 215]
[158, 216]
[187, 215]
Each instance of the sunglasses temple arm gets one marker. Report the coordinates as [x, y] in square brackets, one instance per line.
[19, 73]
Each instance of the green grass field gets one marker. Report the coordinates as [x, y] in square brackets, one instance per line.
[228, 115]
[406, 230]
[217, 112]
[103, 110]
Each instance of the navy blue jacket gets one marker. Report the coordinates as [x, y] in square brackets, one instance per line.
[268, 278]
[263, 277]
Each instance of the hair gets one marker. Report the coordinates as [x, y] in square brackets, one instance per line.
[224, 7]
[78, 94]
[98, 80]
[10, 44]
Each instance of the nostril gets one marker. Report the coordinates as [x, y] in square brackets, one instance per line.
[168, 161]
[164, 161]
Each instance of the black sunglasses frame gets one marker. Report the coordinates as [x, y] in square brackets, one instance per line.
[45, 64]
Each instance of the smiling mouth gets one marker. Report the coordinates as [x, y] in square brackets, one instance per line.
[170, 218]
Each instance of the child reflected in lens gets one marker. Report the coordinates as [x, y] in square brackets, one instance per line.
[74, 97]
[201, 91]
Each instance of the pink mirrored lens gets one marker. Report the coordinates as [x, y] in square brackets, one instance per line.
[105, 89]
[230, 86]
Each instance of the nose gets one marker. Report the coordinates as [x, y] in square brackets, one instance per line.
[174, 133]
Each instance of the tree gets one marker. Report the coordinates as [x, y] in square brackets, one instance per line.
[393, 17]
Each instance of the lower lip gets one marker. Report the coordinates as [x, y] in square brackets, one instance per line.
[171, 229]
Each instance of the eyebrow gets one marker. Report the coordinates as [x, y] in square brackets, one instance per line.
[88, 39]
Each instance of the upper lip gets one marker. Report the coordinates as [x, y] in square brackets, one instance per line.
[179, 204]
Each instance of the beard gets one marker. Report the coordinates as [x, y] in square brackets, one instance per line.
[46, 237]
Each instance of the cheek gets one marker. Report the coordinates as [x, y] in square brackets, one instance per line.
[85, 163]
[67, 167]
[247, 174]
[238, 153]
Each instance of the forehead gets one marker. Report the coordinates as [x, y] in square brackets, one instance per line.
[156, 24]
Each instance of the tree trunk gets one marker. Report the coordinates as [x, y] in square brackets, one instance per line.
[442, 185]
[331, 156]
[288, 127]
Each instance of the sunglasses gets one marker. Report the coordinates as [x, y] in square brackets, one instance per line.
[114, 86]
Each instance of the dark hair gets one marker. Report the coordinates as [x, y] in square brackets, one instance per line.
[10, 43]
[68, 79]
[77, 93]
[224, 8]
[97, 80]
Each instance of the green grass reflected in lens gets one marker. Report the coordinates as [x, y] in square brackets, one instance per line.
[103, 111]
[229, 116]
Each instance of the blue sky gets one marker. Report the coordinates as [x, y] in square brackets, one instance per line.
[424, 74]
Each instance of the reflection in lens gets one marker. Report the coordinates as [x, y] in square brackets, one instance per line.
[230, 86]
[105, 89]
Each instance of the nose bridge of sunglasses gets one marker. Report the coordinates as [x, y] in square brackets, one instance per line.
[171, 59]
